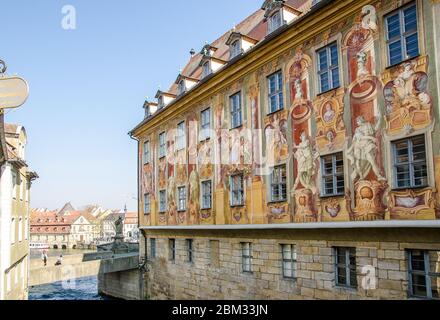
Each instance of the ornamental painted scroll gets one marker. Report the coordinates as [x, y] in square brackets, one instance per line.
[329, 111]
[408, 103]
[369, 201]
[412, 205]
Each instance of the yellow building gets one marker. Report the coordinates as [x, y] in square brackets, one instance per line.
[297, 156]
[15, 182]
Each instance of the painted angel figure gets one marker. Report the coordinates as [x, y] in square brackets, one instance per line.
[363, 151]
[306, 158]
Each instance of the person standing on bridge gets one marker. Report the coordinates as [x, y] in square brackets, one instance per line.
[44, 257]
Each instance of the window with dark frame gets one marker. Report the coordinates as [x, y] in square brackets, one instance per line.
[235, 48]
[172, 249]
[410, 166]
[279, 184]
[236, 112]
[182, 87]
[205, 125]
[275, 89]
[345, 265]
[328, 68]
[162, 201]
[190, 251]
[181, 194]
[332, 168]
[206, 195]
[246, 253]
[162, 145]
[275, 21]
[288, 252]
[152, 248]
[237, 190]
[206, 69]
[402, 34]
[147, 204]
[424, 274]
[146, 152]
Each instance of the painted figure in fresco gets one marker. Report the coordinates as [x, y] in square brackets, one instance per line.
[362, 153]
[299, 93]
[306, 158]
[329, 114]
[171, 189]
[362, 65]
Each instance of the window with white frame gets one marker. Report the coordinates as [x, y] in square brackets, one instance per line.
[235, 48]
[205, 124]
[162, 145]
[246, 256]
[237, 190]
[146, 152]
[328, 67]
[147, 204]
[180, 136]
[162, 201]
[424, 274]
[410, 164]
[275, 21]
[206, 69]
[278, 184]
[332, 168]
[275, 86]
[207, 194]
[345, 265]
[236, 112]
[181, 196]
[402, 34]
[288, 252]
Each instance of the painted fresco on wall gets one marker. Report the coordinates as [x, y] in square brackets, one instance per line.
[408, 103]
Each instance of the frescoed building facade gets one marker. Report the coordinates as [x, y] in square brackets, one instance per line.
[298, 157]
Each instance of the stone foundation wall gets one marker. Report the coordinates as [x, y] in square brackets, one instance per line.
[221, 277]
[120, 285]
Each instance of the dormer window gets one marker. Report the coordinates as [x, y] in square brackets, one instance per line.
[236, 48]
[206, 69]
[160, 102]
[181, 87]
[275, 21]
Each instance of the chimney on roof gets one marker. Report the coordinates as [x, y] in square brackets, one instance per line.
[192, 52]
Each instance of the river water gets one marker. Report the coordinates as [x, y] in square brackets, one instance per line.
[78, 289]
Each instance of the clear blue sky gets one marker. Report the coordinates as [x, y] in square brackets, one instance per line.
[87, 86]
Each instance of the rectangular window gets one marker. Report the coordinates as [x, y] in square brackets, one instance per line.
[328, 67]
[162, 145]
[424, 274]
[275, 89]
[152, 248]
[236, 48]
[275, 21]
[14, 185]
[205, 125]
[410, 166]
[288, 252]
[13, 227]
[278, 184]
[181, 196]
[345, 259]
[332, 168]
[146, 152]
[189, 251]
[246, 254]
[181, 136]
[237, 190]
[147, 203]
[236, 113]
[172, 249]
[402, 34]
[20, 230]
[162, 201]
[206, 195]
